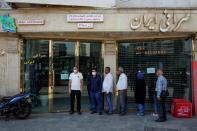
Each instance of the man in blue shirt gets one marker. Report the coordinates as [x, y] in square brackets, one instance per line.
[96, 92]
[161, 88]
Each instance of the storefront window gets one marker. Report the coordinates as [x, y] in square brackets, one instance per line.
[50, 83]
[173, 56]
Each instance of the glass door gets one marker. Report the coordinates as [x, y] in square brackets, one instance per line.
[47, 66]
[35, 75]
[90, 56]
[63, 60]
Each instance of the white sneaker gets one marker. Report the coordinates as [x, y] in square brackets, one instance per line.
[155, 114]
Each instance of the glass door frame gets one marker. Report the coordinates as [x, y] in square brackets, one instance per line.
[51, 75]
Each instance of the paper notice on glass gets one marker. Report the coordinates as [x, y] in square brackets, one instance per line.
[64, 76]
[150, 70]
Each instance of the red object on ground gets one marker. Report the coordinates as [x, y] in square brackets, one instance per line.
[181, 108]
[179, 100]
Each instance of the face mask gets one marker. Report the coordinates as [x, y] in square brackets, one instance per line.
[75, 71]
[93, 73]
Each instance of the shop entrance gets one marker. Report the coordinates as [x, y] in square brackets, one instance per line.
[173, 56]
[47, 65]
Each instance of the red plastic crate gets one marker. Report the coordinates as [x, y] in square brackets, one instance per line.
[181, 109]
[179, 100]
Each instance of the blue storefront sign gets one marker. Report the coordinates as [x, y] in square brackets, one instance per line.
[7, 23]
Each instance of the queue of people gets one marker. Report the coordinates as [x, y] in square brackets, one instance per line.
[97, 87]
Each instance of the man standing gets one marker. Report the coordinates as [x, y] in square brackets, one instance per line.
[161, 89]
[108, 85]
[75, 89]
[95, 91]
[122, 90]
[140, 92]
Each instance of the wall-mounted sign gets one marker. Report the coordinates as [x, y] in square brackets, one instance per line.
[85, 18]
[30, 22]
[64, 76]
[110, 49]
[85, 25]
[165, 23]
[150, 70]
[7, 23]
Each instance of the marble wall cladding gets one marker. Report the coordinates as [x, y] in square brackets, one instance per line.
[9, 66]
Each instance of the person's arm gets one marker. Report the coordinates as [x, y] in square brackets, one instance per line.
[110, 83]
[124, 82]
[69, 86]
[100, 84]
[159, 88]
[81, 83]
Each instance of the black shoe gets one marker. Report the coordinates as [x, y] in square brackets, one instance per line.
[79, 112]
[123, 114]
[100, 113]
[160, 120]
[109, 113]
[93, 112]
[71, 112]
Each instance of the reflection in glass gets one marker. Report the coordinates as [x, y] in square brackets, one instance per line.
[90, 57]
[36, 72]
[63, 63]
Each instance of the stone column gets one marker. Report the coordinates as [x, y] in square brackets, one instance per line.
[9, 66]
[110, 59]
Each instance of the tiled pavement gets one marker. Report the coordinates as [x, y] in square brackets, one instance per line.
[94, 122]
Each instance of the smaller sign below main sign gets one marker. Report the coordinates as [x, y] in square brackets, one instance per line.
[30, 22]
[85, 18]
[85, 25]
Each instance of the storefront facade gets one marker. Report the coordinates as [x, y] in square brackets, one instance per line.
[48, 42]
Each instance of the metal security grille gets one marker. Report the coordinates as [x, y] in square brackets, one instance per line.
[173, 56]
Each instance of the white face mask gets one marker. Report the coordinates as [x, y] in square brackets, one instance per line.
[93, 73]
[75, 71]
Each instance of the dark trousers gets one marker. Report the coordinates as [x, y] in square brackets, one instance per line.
[162, 108]
[122, 99]
[77, 94]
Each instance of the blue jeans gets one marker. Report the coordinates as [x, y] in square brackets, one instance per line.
[96, 100]
[141, 109]
[109, 102]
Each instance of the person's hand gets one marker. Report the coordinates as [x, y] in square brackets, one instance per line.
[158, 98]
[69, 91]
[81, 90]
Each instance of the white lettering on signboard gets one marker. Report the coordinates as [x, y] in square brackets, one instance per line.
[85, 18]
[30, 22]
[85, 25]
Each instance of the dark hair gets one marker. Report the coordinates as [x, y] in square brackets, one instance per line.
[93, 69]
[108, 68]
[159, 69]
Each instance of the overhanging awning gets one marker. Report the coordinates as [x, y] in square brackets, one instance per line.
[89, 3]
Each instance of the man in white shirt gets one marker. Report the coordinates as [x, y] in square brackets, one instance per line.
[108, 85]
[122, 90]
[75, 89]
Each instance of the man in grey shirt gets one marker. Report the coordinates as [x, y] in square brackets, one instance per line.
[161, 88]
